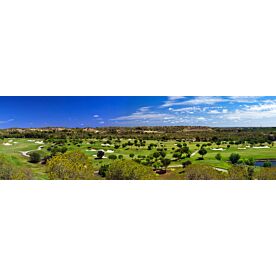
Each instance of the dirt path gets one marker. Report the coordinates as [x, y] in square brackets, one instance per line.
[26, 153]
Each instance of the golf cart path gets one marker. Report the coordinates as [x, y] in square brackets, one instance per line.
[217, 169]
[26, 153]
[194, 153]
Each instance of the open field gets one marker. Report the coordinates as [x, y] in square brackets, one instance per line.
[17, 151]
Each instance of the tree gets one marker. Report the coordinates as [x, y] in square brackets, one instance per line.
[35, 157]
[165, 163]
[202, 152]
[177, 155]
[156, 154]
[234, 158]
[129, 170]
[100, 154]
[218, 156]
[70, 166]
[131, 155]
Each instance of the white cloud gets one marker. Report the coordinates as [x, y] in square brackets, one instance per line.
[6, 121]
[96, 116]
[257, 114]
[214, 112]
[199, 100]
[144, 113]
[244, 99]
[201, 119]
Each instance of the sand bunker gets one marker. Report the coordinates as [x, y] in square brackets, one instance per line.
[263, 147]
[39, 142]
[7, 144]
[91, 150]
[241, 148]
[10, 141]
[31, 140]
[110, 151]
[218, 149]
[105, 145]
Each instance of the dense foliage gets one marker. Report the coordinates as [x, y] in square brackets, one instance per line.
[70, 166]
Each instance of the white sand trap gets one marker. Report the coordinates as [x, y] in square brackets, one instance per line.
[10, 141]
[15, 142]
[110, 151]
[91, 150]
[194, 153]
[105, 145]
[104, 157]
[263, 147]
[39, 142]
[241, 148]
[31, 140]
[221, 149]
[247, 146]
[7, 144]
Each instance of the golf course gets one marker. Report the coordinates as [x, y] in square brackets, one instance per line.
[17, 151]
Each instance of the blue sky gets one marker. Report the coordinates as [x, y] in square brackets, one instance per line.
[97, 111]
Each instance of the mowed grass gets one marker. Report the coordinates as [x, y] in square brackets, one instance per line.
[12, 152]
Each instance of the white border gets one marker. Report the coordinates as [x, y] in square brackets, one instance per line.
[148, 47]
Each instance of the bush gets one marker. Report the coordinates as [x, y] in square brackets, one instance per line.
[8, 171]
[238, 173]
[70, 166]
[186, 163]
[129, 170]
[267, 164]
[250, 161]
[103, 170]
[266, 174]
[203, 172]
[234, 158]
[35, 157]
[131, 155]
[112, 156]
[218, 156]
